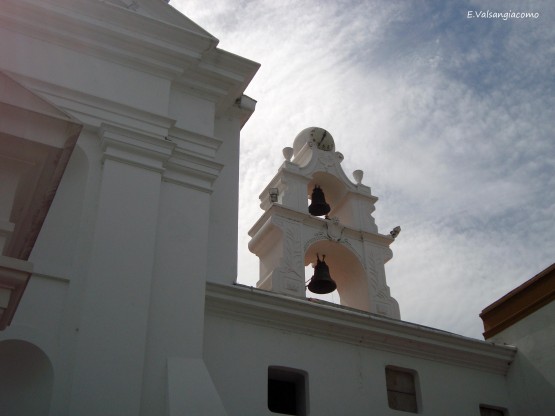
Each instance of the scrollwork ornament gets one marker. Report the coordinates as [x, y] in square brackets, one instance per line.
[334, 230]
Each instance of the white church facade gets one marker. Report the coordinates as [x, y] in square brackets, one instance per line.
[120, 123]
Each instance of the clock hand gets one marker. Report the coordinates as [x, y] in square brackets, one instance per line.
[323, 137]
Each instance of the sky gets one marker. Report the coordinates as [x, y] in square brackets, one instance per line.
[451, 119]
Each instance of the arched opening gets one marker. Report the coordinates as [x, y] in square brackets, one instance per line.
[345, 269]
[334, 190]
[26, 379]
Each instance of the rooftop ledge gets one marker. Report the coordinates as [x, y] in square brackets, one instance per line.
[330, 321]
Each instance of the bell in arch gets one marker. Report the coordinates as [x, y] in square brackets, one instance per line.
[321, 282]
[318, 206]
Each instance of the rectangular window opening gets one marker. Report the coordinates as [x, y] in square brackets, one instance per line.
[287, 391]
[401, 389]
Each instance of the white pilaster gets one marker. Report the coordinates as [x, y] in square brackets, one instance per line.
[114, 319]
[176, 310]
[224, 207]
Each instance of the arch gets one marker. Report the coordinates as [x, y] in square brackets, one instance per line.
[26, 379]
[333, 188]
[345, 269]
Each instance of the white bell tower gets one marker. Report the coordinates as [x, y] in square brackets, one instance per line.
[287, 237]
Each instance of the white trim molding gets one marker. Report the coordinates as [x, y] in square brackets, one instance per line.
[334, 322]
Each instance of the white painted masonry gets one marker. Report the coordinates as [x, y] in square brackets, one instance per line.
[532, 378]
[524, 317]
[116, 302]
[131, 307]
[287, 237]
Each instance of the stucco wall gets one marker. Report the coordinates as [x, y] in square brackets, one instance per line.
[531, 379]
[343, 379]
[121, 262]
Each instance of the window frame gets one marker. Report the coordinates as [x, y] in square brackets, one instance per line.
[299, 378]
[415, 388]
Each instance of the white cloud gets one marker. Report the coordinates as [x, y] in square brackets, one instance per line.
[451, 119]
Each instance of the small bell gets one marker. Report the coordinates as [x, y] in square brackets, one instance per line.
[321, 282]
[318, 206]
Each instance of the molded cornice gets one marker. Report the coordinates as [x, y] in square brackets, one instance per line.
[121, 35]
[282, 211]
[177, 161]
[334, 322]
[194, 172]
[110, 32]
[93, 111]
[135, 148]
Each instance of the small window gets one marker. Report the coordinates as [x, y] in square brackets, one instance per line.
[401, 389]
[491, 411]
[287, 391]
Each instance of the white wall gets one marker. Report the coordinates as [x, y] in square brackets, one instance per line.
[122, 259]
[531, 379]
[344, 379]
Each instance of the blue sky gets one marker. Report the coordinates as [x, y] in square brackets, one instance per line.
[450, 118]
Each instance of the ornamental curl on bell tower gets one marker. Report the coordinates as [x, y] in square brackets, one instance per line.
[312, 209]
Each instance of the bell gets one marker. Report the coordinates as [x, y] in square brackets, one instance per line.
[318, 206]
[321, 282]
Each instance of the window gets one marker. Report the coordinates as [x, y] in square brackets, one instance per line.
[401, 389]
[491, 411]
[287, 391]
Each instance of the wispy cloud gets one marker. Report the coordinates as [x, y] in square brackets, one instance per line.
[450, 118]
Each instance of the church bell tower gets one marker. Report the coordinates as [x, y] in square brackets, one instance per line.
[314, 214]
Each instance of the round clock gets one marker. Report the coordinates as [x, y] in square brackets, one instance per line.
[322, 139]
[315, 137]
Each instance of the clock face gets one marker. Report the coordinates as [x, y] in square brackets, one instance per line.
[322, 139]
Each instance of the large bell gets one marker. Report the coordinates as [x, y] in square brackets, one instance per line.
[318, 206]
[321, 282]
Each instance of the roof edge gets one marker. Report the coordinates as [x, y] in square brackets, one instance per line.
[356, 327]
[519, 302]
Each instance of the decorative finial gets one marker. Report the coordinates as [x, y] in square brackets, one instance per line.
[358, 174]
[287, 153]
